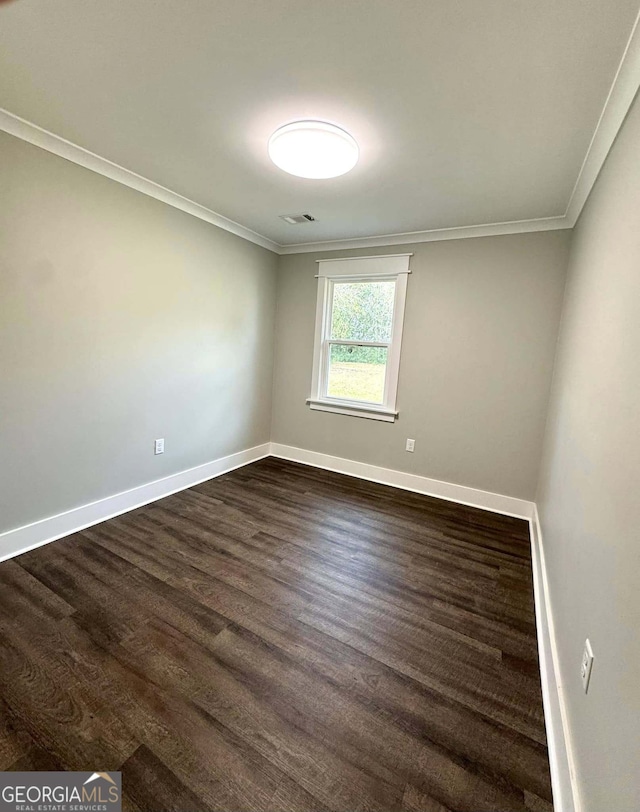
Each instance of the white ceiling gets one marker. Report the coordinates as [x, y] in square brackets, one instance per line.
[466, 112]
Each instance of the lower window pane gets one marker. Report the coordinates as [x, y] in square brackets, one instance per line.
[357, 373]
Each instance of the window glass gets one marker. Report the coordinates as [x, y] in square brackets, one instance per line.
[357, 373]
[363, 311]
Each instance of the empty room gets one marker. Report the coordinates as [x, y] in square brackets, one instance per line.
[319, 406]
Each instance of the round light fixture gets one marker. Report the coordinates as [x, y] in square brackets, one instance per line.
[313, 149]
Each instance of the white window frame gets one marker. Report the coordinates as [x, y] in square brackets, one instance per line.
[358, 269]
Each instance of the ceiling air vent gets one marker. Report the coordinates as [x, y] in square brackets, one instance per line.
[296, 219]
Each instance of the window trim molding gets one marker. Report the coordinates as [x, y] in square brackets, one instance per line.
[389, 266]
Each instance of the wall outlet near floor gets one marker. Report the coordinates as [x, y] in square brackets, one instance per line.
[411, 445]
[586, 665]
[158, 446]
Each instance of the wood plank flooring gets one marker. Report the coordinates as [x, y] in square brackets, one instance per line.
[281, 638]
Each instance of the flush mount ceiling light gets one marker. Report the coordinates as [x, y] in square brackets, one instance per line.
[313, 149]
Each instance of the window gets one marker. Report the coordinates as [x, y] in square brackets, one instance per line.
[359, 317]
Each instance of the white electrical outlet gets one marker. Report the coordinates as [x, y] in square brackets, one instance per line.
[586, 665]
[159, 446]
[411, 445]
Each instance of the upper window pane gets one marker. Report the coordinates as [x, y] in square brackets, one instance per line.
[363, 311]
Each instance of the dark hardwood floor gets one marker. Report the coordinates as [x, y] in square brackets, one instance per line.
[281, 638]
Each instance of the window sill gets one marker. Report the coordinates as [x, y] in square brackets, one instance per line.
[359, 410]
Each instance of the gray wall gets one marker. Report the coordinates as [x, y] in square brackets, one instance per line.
[121, 320]
[589, 496]
[479, 339]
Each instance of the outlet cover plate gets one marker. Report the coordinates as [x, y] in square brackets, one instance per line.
[586, 665]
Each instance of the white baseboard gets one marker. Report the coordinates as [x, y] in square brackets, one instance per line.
[566, 795]
[495, 502]
[15, 542]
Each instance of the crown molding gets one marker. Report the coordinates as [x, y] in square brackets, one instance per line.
[619, 99]
[409, 237]
[27, 131]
